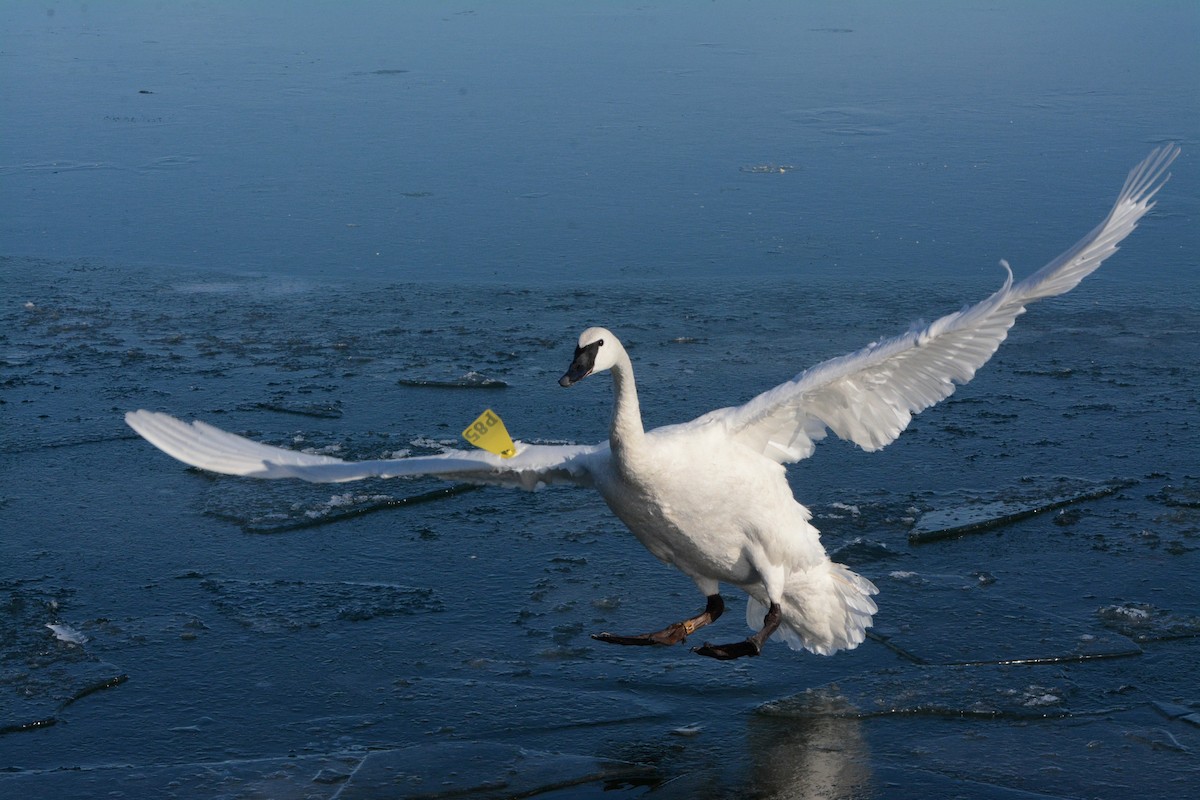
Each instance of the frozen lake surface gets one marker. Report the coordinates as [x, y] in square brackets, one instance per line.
[352, 230]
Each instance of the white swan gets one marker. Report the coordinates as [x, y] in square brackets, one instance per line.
[711, 496]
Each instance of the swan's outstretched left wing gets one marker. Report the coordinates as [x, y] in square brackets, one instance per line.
[870, 396]
[202, 445]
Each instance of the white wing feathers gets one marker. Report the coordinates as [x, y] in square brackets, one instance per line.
[1065, 272]
[867, 397]
[202, 445]
[870, 396]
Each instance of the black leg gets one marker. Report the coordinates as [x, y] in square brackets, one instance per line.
[751, 645]
[673, 633]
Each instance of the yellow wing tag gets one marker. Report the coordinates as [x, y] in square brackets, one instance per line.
[488, 432]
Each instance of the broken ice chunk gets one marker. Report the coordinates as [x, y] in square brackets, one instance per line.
[1143, 622]
[468, 380]
[688, 730]
[65, 633]
[1157, 739]
[861, 550]
[319, 410]
[951, 522]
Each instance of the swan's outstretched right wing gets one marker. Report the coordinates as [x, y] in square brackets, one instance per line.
[869, 397]
[202, 445]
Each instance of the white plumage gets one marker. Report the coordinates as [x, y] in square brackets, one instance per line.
[710, 496]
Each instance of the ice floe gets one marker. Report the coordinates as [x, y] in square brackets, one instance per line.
[948, 523]
[1143, 622]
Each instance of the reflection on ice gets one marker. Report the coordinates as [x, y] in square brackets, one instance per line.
[804, 757]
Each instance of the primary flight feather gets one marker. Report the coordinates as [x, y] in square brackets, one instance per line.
[710, 496]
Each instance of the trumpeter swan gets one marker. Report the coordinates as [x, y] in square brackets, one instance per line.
[711, 496]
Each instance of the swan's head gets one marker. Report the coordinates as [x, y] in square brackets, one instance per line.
[597, 351]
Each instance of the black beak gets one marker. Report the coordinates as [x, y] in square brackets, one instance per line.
[575, 373]
[581, 366]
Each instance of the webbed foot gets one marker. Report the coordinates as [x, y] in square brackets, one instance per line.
[728, 652]
[674, 633]
[750, 646]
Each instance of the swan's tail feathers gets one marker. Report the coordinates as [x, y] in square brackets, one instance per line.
[826, 609]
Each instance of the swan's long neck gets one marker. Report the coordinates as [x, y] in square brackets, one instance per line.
[626, 432]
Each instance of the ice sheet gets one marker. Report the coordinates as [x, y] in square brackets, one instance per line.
[974, 619]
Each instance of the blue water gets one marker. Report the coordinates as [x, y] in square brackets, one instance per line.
[283, 218]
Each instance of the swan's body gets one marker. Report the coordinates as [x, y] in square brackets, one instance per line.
[711, 496]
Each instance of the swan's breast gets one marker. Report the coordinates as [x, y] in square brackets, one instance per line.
[692, 498]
